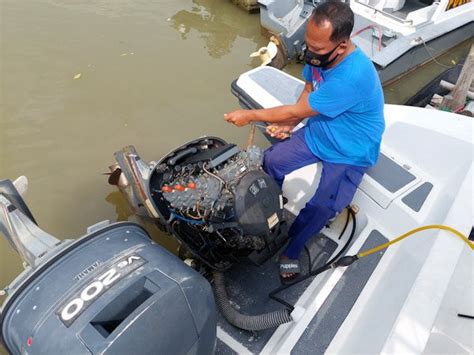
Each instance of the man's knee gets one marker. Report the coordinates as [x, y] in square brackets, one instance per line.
[272, 162]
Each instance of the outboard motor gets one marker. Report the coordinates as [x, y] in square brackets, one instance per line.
[112, 291]
[218, 202]
[213, 196]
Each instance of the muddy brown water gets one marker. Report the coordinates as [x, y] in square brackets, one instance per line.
[152, 74]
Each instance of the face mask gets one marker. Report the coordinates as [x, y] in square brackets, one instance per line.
[319, 60]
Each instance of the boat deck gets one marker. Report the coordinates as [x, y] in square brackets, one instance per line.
[249, 286]
[394, 300]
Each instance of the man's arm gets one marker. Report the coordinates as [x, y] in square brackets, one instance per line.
[308, 88]
[286, 114]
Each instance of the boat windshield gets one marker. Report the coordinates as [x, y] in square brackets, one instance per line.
[399, 9]
[412, 13]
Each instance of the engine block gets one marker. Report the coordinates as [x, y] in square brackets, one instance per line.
[202, 189]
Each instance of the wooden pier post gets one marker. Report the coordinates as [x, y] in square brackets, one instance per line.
[250, 6]
[457, 98]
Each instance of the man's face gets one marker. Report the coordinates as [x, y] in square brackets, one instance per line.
[317, 38]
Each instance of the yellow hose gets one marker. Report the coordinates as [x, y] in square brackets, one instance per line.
[416, 230]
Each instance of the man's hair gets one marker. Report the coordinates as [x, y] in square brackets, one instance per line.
[339, 15]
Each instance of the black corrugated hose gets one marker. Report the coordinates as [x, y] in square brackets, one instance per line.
[274, 319]
[244, 321]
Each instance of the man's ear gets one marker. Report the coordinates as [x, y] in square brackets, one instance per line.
[342, 46]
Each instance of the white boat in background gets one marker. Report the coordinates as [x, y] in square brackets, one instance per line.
[397, 35]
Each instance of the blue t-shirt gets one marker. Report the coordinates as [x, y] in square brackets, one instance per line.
[349, 100]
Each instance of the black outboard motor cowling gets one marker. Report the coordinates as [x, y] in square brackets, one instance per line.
[112, 291]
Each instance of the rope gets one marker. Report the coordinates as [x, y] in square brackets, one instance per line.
[433, 58]
[368, 27]
[251, 137]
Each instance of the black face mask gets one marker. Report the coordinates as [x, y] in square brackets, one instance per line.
[319, 60]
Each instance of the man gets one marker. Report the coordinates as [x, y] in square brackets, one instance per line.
[343, 98]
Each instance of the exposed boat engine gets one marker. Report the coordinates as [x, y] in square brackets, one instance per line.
[214, 197]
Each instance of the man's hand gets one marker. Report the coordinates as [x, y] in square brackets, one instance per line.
[279, 131]
[239, 117]
[280, 114]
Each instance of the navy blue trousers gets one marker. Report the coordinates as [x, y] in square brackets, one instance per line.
[336, 189]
